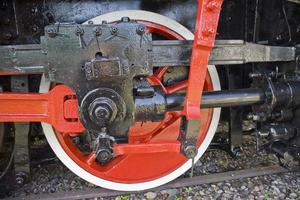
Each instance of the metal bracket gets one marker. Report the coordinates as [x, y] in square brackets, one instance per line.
[225, 52]
[32, 59]
[21, 156]
[21, 153]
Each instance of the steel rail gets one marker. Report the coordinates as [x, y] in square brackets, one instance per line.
[181, 182]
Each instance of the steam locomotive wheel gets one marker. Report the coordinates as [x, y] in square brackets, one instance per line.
[143, 170]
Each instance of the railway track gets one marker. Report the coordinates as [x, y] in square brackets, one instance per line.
[181, 182]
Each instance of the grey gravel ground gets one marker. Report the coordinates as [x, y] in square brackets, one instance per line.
[57, 178]
[283, 186]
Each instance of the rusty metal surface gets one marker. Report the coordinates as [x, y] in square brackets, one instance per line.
[30, 58]
[225, 52]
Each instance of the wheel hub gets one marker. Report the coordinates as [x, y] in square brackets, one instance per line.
[102, 107]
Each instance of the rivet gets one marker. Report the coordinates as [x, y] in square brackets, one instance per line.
[125, 19]
[140, 30]
[113, 30]
[213, 5]
[79, 31]
[98, 31]
[51, 32]
[209, 31]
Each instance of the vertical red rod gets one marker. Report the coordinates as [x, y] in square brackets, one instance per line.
[205, 33]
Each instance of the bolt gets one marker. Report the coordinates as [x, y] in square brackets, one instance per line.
[102, 112]
[20, 180]
[190, 151]
[140, 30]
[209, 31]
[125, 19]
[104, 156]
[237, 151]
[79, 31]
[113, 30]
[98, 31]
[169, 81]
[213, 6]
[51, 32]
[104, 22]
[90, 22]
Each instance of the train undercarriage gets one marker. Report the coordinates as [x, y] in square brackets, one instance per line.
[130, 94]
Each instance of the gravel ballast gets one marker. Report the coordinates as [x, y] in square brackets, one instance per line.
[57, 178]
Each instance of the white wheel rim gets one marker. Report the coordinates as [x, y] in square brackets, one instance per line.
[75, 168]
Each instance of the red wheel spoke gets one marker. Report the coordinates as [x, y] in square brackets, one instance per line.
[57, 107]
[176, 87]
[161, 30]
[160, 72]
[156, 78]
[169, 120]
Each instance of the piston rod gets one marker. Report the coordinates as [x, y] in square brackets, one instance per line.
[154, 107]
[224, 98]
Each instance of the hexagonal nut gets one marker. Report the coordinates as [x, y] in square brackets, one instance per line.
[190, 151]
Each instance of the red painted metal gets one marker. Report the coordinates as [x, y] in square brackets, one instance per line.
[48, 107]
[156, 79]
[176, 87]
[205, 32]
[126, 167]
[150, 143]
[170, 119]
[123, 149]
[7, 73]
